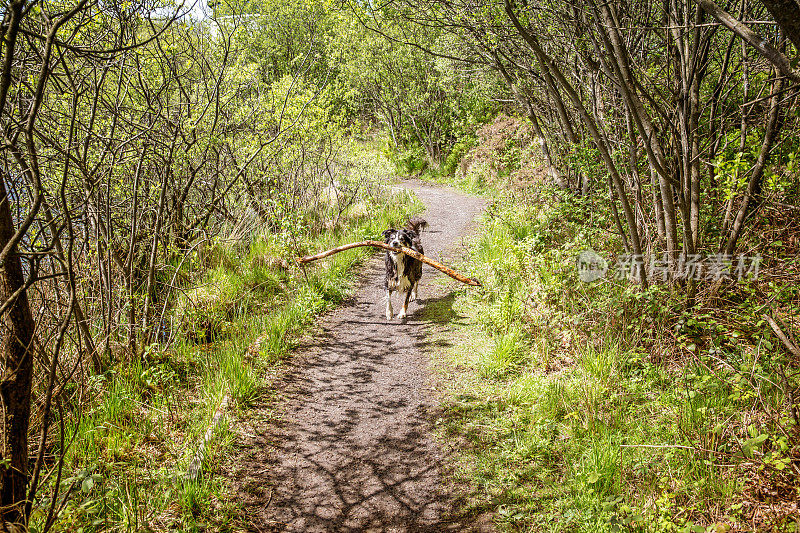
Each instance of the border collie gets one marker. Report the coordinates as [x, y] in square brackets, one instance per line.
[403, 272]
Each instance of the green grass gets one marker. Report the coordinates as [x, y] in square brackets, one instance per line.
[595, 407]
[127, 454]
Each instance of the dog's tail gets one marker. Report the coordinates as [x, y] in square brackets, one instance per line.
[416, 224]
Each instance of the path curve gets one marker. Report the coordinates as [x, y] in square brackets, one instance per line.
[352, 447]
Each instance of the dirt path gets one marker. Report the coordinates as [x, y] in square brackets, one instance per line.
[351, 447]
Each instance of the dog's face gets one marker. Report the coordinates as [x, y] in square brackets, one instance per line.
[397, 238]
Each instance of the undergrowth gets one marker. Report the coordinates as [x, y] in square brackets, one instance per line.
[602, 407]
[127, 452]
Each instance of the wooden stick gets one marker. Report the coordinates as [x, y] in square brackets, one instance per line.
[408, 251]
[785, 340]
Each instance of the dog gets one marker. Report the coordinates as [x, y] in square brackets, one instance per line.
[403, 272]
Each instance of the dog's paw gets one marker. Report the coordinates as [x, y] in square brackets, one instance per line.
[388, 315]
[402, 315]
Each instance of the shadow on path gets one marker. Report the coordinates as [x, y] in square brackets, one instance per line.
[346, 445]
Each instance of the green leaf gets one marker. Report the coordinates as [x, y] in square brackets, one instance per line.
[755, 442]
[87, 484]
[593, 478]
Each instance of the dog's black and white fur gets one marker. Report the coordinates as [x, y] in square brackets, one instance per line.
[403, 272]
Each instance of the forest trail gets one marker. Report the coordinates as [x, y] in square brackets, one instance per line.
[348, 443]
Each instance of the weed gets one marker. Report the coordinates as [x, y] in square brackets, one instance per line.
[244, 305]
[597, 407]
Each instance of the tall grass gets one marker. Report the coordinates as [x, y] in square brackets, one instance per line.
[599, 407]
[126, 456]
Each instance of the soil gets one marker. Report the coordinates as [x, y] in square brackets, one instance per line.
[347, 443]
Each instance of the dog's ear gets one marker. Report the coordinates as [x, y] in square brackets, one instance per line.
[387, 233]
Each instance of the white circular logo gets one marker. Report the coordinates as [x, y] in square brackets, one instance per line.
[591, 266]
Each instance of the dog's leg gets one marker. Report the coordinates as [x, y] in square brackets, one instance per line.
[404, 312]
[416, 293]
[389, 310]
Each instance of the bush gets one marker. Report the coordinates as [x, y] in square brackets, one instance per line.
[459, 150]
[203, 314]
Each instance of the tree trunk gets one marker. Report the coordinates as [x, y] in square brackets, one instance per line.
[526, 102]
[556, 176]
[753, 190]
[658, 206]
[547, 64]
[787, 15]
[16, 329]
[16, 359]
[778, 59]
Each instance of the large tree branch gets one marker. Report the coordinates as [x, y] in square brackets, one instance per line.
[787, 14]
[601, 142]
[408, 251]
[752, 38]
